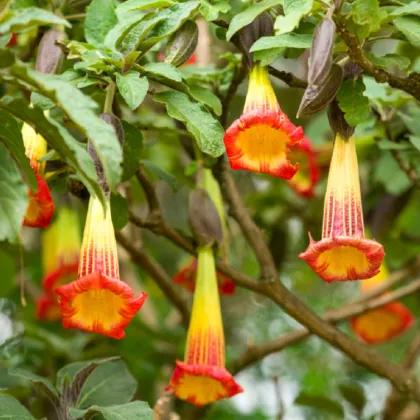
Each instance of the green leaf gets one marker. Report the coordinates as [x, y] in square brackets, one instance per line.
[59, 139]
[207, 97]
[266, 57]
[11, 136]
[415, 141]
[12, 409]
[389, 174]
[43, 384]
[170, 20]
[165, 70]
[119, 211]
[354, 394]
[72, 370]
[353, 103]
[248, 15]
[133, 145]
[321, 403]
[41, 101]
[411, 8]
[366, 13]
[207, 131]
[120, 30]
[100, 19]
[29, 17]
[390, 145]
[410, 26]
[385, 61]
[161, 174]
[8, 273]
[294, 11]
[6, 58]
[280, 41]
[109, 384]
[82, 111]
[133, 88]
[211, 10]
[136, 410]
[131, 5]
[13, 198]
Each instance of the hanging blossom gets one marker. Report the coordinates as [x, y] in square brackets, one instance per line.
[260, 139]
[98, 301]
[60, 248]
[343, 253]
[202, 377]
[40, 210]
[307, 177]
[384, 323]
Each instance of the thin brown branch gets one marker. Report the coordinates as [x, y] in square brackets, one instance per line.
[159, 275]
[256, 352]
[251, 231]
[412, 173]
[288, 78]
[410, 84]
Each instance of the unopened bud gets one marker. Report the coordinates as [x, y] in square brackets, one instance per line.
[50, 55]
[182, 44]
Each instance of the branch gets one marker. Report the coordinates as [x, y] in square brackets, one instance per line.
[251, 231]
[288, 78]
[256, 352]
[411, 173]
[154, 269]
[410, 84]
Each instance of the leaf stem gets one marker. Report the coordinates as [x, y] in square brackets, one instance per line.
[109, 98]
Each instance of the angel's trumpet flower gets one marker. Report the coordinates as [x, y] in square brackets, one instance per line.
[40, 209]
[61, 248]
[260, 139]
[384, 323]
[343, 253]
[307, 176]
[202, 377]
[98, 301]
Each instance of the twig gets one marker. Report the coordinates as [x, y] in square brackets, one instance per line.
[288, 78]
[351, 310]
[155, 270]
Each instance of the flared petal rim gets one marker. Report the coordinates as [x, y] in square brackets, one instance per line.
[369, 333]
[186, 278]
[40, 209]
[129, 305]
[47, 309]
[224, 381]
[372, 251]
[306, 189]
[277, 165]
[52, 279]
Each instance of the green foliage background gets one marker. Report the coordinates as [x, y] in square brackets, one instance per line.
[120, 42]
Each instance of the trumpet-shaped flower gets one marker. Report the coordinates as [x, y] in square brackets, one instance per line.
[98, 301]
[343, 253]
[308, 174]
[384, 323]
[40, 210]
[260, 139]
[186, 278]
[202, 377]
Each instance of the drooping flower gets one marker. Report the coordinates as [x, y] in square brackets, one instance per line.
[98, 301]
[307, 176]
[384, 323]
[40, 210]
[260, 139]
[202, 377]
[186, 278]
[343, 253]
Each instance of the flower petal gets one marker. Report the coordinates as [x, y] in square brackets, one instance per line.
[344, 258]
[201, 385]
[47, 309]
[99, 304]
[40, 209]
[382, 324]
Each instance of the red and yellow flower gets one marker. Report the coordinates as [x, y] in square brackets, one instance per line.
[308, 175]
[343, 253]
[40, 210]
[61, 248]
[98, 301]
[202, 377]
[186, 278]
[260, 139]
[384, 323]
